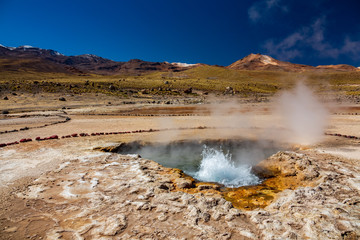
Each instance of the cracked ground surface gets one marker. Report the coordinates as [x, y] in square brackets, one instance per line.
[62, 189]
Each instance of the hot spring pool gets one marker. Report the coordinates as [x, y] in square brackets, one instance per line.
[226, 162]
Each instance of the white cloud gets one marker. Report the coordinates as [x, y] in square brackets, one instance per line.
[254, 14]
[261, 9]
[352, 48]
[317, 41]
[271, 3]
[285, 49]
[313, 38]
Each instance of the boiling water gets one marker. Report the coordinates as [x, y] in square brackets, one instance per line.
[227, 163]
[217, 166]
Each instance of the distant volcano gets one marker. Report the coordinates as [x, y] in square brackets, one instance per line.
[267, 63]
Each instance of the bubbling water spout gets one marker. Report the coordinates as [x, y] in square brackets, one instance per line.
[216, 166]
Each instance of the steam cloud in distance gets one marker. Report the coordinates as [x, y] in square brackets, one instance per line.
[303, 115]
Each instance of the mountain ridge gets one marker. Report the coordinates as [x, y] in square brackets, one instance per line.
[266, 63]
[51, 60]
[85, 63]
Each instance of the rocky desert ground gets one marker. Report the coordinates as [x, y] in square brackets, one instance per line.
[191, 120]
[73, 182]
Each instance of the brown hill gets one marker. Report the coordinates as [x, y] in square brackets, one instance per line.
[35, 65]
[266, 63]
[46, 60]
[28, 58]
[339, 67]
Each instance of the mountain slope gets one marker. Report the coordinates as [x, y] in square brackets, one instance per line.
[28, 58]
[338, 67]
[38, 59]
[266, 63]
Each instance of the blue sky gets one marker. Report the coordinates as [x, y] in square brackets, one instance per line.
[191, 31]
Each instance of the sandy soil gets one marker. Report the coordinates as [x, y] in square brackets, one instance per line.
[56, 189]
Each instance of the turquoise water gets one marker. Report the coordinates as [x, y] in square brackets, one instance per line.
[226, 162]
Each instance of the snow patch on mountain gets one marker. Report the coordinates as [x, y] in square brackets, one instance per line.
[26, 46]
[10, 48]
[179, 64]
[267, 60]
[88, 56]
[55, 53]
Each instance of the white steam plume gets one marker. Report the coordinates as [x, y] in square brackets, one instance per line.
[303, 115]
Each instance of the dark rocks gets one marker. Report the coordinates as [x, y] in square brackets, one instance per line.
[164, 186]
[5, 112]
[352, 201]
[205, 216]
[6, 98]
[12, 143]
[62, 99]
[208, 186]
[112, 88]
[229, 90]
[349, 235]
[188, 91]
